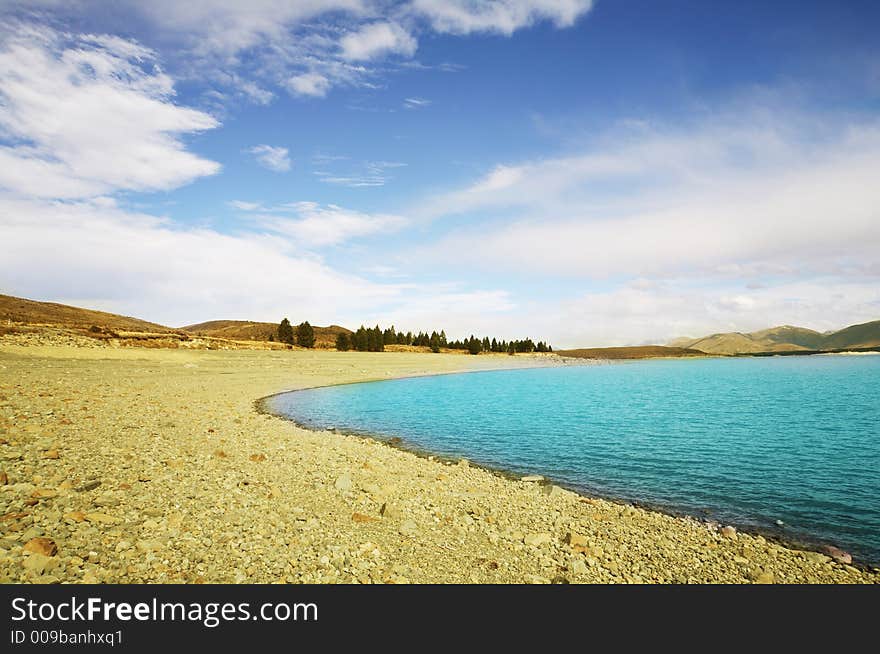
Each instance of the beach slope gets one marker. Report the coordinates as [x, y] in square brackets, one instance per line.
[151, 465]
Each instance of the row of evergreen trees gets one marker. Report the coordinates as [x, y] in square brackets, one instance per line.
[375, 339]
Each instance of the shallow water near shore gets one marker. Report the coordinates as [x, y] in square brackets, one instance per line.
[746, 441]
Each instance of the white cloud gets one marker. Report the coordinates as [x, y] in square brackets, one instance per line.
[145, 266]
[313, 225]
[501, 16]
[309, 84]
[415, 103]
[723, 199]
[274, 158]
[91, 116]
[656, 313]
[241, 205]
[306, 47]
[365, 174]
[377, 39]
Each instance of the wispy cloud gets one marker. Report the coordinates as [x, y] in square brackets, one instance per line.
[274, 158]
[90, 115]
[313, 225]
[308, 47]
[367, 174]
[415, 103]
[730, 195]
[377, 39]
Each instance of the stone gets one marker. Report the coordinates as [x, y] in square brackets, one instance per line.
[728, 532]
[553, 490]
[76, 516]
[844, 558]
[51, 454]
[44, 493]
[532, 478]
[343, 482]
[536, 540]
[409, 528]
[816, 557]
[44, 546]
[106, 500]
[89, 485]
[258, 458]
[101, 518]
[39, 563]
[360, 517]
[576, 540]
[578, 567]
[4, 478]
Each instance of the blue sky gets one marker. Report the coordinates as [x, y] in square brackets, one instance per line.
[604, 173]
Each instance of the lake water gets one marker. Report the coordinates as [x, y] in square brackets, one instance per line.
[745, 441]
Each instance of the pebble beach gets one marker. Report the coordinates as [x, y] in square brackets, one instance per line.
[137, 465]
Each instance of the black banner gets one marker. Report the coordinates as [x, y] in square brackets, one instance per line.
[140, 618]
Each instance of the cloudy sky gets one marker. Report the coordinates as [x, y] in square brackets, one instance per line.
[593, 173]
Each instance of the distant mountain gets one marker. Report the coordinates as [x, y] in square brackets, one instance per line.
[785, 339]
[246, 330]
[20, 310]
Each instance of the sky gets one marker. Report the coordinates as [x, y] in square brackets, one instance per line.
[606, 172]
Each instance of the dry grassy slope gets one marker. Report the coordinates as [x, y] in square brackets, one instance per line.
[246, 330]
[785, 339]
[636, 352]
[866, 334]
[49, 313]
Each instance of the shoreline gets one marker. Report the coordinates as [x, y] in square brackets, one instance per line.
[802, 542]
[154, 466]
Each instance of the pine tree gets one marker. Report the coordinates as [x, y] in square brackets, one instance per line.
[343, 342]
[285, 332]
[305, 335]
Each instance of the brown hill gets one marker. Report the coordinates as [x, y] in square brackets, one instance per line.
[786, 339]
[20, 310]
[246, 330]
[635, 352]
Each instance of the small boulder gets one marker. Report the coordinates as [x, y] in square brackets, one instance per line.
[728, 532]
[343, 482]
[532, 478]
[576, 540]
[844, 558]
[4, 478]
[536, 540]
[40, 545]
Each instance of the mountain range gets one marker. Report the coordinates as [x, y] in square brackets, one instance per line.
[785, 338]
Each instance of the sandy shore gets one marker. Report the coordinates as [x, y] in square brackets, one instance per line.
[142, 465]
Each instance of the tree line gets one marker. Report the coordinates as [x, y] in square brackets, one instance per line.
[375, 339]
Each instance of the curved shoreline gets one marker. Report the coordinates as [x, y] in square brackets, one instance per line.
[155, 466]
[801, 542]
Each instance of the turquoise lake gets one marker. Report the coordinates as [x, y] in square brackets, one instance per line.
[746, 441]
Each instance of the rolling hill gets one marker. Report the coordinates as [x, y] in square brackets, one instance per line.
[786, 339]
[246, 330]
[20, 310]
